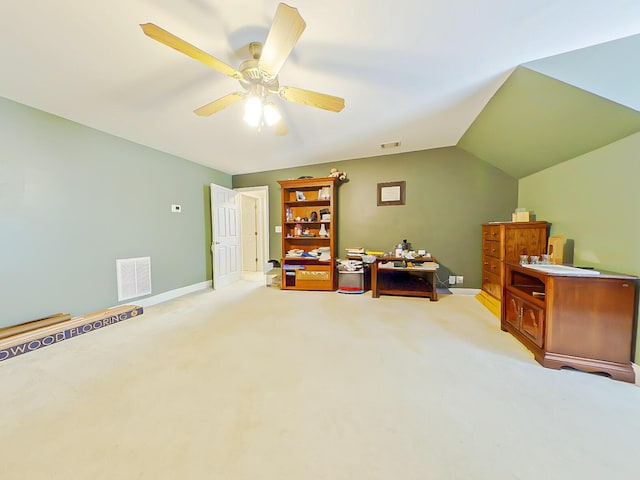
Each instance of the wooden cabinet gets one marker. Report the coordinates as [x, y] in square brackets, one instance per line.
[528, 319]
[504, 242]
[569, 319]
[309, 233]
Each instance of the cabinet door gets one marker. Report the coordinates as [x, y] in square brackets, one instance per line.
[524, 241]
[532, 323]
[513, 307]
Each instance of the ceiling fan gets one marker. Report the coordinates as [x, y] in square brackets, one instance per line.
[259, 75]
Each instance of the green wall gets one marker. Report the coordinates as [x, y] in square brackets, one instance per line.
[593, 200]
[73, 200]
[449, 194]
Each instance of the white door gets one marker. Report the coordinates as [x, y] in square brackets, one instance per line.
[225, 236]
[249, 229]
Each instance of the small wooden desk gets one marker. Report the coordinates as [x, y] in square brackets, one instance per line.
[418, 280]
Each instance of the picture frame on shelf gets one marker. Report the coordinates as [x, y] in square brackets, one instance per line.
[300, 196]
[324, 193]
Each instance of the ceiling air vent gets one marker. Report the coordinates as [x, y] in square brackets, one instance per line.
[134, 277]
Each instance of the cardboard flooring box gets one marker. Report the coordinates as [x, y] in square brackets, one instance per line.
[34, 324]
[43, 336]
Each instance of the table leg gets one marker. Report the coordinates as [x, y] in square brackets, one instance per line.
[434, 287]
[374, 280]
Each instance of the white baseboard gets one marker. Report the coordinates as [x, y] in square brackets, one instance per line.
[459, 291]
[171, 294]
[636, 369]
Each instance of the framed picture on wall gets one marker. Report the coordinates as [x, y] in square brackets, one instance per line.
[391, 193]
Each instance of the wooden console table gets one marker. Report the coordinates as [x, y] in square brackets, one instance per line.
[415, 278]
[570, 317]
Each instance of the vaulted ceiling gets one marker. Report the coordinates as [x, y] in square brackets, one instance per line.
[420, 72]
[535, 121]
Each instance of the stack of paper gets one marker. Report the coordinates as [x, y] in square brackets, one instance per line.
[322, 253]
[349, 265]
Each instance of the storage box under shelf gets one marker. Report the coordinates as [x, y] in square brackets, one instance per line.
[308, 275]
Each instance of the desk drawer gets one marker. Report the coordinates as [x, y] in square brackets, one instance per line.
[491, 249]
[491, 265]
[491, 284]
[491, 232]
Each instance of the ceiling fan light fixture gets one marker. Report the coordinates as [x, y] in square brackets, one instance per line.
[253, 111]
[271, 114]
[258, 75]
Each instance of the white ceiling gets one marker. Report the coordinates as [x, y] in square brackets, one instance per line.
[415, 71]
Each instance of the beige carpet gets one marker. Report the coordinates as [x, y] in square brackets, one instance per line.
[251, 382]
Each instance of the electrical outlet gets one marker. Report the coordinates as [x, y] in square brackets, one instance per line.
[278, 228]
[459, 279]
[176, 208]
[452, 279]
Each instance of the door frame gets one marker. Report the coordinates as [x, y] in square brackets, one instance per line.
[261, 193]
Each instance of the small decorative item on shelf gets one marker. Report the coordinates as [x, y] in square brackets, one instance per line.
[520, 215]
[342, 176]
[323, 231]
[300, 196]
[313, 217]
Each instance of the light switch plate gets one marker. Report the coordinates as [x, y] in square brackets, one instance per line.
[278, 228]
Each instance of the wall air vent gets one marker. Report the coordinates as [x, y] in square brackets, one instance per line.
[134, 277]
[385, 146]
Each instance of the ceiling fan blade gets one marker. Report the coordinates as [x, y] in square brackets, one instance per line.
[219, 104]
[285, 31]
[313, 99]
[153, 31]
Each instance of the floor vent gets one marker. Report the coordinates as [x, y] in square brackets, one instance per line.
[134, 277]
